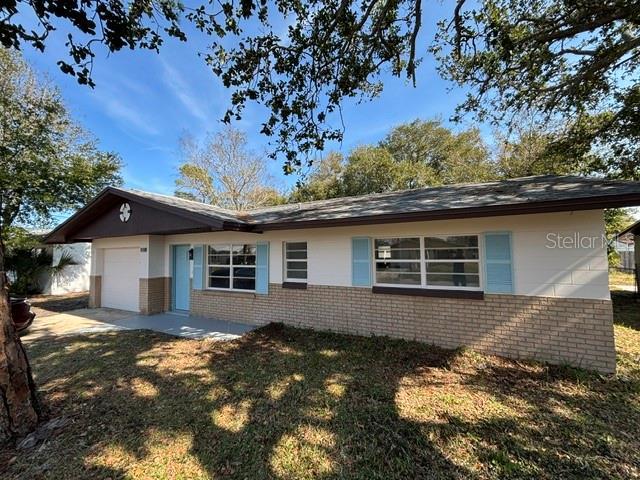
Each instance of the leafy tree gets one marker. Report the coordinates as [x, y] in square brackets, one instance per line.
[47, 165]
[531, 150]
[616, 220]
[452, 157]
[224, 172]
[578, 61]
[323, 182]
[374, 170]
[330, 51]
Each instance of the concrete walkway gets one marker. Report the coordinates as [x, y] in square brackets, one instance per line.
[98, 320]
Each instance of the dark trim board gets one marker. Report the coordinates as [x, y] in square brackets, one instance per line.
[294, 285]
[429, 292]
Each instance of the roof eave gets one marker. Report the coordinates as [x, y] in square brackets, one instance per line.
[590, 203]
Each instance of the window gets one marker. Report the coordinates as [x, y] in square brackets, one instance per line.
[398, 261]
[295, 258]
[232, 267]
[451, 262]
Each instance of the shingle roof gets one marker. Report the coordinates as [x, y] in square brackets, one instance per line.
[184, 204]
[508, 197]
[525, 191]
[507, 193]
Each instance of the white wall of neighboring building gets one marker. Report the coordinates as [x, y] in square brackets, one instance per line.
[73, 278]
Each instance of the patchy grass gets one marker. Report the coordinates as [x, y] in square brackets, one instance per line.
[45, 305]
[294, 404]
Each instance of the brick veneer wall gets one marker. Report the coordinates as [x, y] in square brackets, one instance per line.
[95, 291]
[153, 293]
[557, 330]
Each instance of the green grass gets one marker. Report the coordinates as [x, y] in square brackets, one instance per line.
[293, 404]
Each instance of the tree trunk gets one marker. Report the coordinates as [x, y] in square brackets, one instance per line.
[19, 406]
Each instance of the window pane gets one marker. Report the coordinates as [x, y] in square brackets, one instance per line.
[244, 250]
[452, 254]
[296, 246]
[398, 278]
[398, 242]
[452, 267]
[218, 272]
[244, 272]
[244, 259]
[296, 265]
[408, 267]
[404, 273]
[452, 280]
[453, 241]
[302, 255]
[388, 253]
[219, 259]
[218, 249]
[219, 255]
[297, 274]
[244, 283]
[218, 282]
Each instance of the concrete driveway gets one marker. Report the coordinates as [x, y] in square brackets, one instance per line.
[97, 320]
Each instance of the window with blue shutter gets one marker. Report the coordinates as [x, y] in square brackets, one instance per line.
[198, 267]
[262, 268]
[498, 260]
[361, 262]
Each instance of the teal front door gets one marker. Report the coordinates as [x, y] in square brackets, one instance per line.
[180, 279]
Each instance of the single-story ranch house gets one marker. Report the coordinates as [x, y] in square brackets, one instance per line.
[515, 268]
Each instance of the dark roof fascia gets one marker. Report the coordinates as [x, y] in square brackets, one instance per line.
[211, 223]
[587, 203]
[198, 217]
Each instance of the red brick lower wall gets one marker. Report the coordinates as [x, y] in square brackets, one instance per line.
[558, 330]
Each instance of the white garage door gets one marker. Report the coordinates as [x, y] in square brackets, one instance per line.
[120, 278]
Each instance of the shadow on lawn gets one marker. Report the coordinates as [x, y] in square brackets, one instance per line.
[287, 403]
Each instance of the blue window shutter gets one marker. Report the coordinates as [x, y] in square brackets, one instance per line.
[198, 267]
[498, 267]
[361, 262]
[262, 268]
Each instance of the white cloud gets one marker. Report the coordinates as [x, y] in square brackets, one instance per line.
[181, 89]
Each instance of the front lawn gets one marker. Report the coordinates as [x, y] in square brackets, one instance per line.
[287, 403]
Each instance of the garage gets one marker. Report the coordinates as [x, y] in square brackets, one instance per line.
[120, 282]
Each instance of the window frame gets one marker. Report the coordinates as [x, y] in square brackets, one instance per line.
[423, 262]
[285, 260]
[230, 266]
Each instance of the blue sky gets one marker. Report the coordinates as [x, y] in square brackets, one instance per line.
[144, 102]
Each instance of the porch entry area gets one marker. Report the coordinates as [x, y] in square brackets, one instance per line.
[180, 278]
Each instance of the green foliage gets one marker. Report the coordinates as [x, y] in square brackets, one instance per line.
[29, 261]
[375, 170]
[412, 155]
[331, 50]
[323, 182]
[616, 220]
[574, 61]
[452, 157]
[47, 163]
